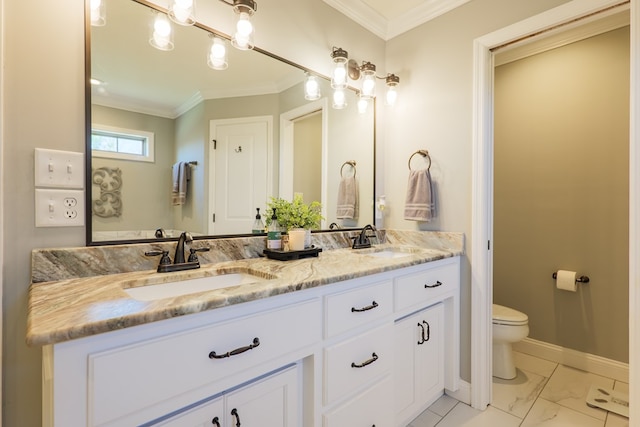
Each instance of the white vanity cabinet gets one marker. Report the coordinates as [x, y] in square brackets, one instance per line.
[419, 362]
[374, 350]
[270, 401]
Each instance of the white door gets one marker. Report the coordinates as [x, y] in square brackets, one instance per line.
[239, 176]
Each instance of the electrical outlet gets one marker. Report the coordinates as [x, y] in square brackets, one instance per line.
[59, 208]
[56, 168]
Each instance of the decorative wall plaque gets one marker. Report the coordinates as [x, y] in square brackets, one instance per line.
[109, 204]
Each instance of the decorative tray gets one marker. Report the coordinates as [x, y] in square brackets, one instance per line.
[291, 255]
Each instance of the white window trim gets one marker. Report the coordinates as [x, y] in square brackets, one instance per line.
[150, 157]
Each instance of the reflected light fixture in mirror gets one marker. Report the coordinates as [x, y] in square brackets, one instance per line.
[161, 32]
[312, 88]
[392, 82]
[243, 37]
[217, 57]
[98, 13]
[182, 12]
[339, 99]
[339, 73]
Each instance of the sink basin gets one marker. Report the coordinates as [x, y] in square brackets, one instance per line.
[158, 291]
[390, 252]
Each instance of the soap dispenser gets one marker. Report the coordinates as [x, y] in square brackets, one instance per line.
[274, 237]
[258, 225]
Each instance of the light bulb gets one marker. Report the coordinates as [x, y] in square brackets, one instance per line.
[181, 12]
[242, 39]
[161, 37]
[97, 13]
[392, 96]
[339, 78]
[311, 88]
[368, 86]
[339, 99]
[217, 58]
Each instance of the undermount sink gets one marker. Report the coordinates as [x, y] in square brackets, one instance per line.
[390, 252]
[152, 292]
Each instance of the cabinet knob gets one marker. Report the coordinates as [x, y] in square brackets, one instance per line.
[367, 308]
[435, 285]
[215, 422]
[234, 412]
[424, 339]
[254, 344]
[374, 357]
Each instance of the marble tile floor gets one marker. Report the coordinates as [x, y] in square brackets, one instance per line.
[543, 394]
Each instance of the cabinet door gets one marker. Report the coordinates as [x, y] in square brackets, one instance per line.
[272, 402]
[206, 415]
[418, 361]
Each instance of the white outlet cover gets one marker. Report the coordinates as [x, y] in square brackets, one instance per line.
[53, 210]
[60, 169]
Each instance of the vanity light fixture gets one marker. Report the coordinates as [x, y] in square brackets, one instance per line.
[217, 56]
[363, 105]
[161, 32]
[392, 81]
[339, 73]
[182, 12]
[368, 80]
[243, 37]
[311, 88]
[98, 13]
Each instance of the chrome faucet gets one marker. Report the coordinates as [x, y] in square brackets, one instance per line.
[362, 241]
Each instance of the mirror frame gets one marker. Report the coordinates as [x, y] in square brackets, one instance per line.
[88, 127]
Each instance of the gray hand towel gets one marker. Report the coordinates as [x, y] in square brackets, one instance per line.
[347, 198]
[420, 202]
[181, 175]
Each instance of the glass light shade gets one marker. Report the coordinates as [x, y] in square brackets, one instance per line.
[392, 96]
[182, 11]
[363, 105]
[217, 57]
[339, 99]
[243, 37]
[369, 86]
[161, 33]
[311, 88]
[98, 13]
[339, 75]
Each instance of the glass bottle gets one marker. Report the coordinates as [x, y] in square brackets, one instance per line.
[258, 225]
[274, 237]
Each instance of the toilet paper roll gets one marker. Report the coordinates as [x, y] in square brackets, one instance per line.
[566, 280]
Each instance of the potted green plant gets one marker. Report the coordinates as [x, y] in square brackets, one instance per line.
[295, 214]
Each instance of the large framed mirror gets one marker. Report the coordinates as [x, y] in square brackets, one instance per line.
[240, 135]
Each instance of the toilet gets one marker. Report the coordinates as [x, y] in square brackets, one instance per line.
[509, 326]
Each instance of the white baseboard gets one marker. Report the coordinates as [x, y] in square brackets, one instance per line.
[463, 394]
[576, 359]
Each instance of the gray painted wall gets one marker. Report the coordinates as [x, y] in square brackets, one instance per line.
[561, 192]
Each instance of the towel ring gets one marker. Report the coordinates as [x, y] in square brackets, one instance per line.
[423, 153]
[351, 163]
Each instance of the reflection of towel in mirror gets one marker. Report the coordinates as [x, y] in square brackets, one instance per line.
[181, 174]
[420, 201]
[347, 198]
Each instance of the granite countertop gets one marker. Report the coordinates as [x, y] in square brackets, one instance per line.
[78, 307]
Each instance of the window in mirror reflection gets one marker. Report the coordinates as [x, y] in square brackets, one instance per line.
[122, 144]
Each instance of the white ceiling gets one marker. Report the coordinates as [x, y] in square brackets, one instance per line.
[388, 19]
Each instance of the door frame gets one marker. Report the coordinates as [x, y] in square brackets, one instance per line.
[212, 158]
[287, 123]
[482, 188]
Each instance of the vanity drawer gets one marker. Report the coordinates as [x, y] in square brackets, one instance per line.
[131, 378]
[424, 286]
[355, 362]
[357, 307]
[374, 407]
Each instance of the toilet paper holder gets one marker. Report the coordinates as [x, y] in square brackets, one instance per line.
[580, 279]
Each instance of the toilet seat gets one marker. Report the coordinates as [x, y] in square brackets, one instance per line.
[508, 316]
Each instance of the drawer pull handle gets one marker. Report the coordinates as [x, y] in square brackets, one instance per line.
[367, 308]
[215, 422]
[435, 285]
[374, 357]
[424, 340]
[256, 342]
[234, 412]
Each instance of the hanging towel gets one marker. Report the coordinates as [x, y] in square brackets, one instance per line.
[181, 175]
[347, 198]
[420, 201]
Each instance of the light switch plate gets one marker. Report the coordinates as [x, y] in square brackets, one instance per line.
[59, 208]
[59, 169]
